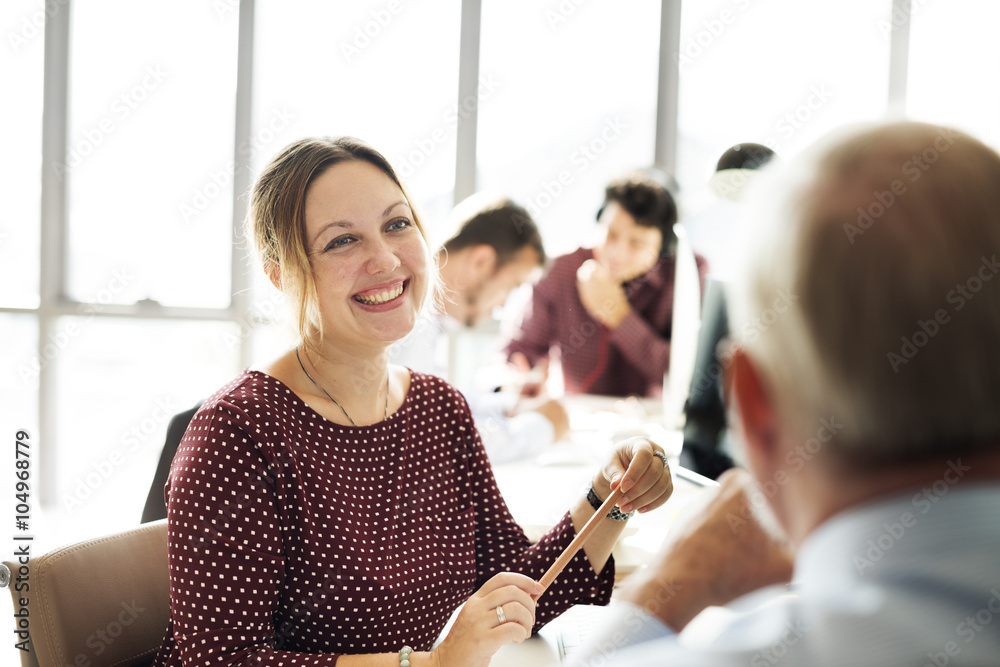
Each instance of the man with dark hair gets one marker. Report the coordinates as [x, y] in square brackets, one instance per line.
[608, 310]
[495, 248]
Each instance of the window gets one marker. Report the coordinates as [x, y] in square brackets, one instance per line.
[150, 159]
[119, 383]
[22, 63]
[953, 63]
[18, 392]
[780, 73]
[385, 72]
[568, 103]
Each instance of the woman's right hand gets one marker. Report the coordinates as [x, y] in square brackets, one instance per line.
[478, 633]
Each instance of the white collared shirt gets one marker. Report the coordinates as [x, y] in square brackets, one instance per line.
[912, 580]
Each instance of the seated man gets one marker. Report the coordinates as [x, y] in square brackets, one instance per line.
[707, 439]
[495, 249]
[608, 310]
[869, 424]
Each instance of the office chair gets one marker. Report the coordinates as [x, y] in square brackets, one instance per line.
[103, 601]
[156, 507]
[705, 424]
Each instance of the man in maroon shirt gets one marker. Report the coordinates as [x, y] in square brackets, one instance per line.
[607, 311]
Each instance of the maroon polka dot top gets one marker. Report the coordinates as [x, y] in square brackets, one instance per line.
[293, 539]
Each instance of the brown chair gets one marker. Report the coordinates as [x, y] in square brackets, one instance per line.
[104, 601]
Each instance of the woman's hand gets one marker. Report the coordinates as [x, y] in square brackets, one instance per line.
[644, 477]
[478, 632]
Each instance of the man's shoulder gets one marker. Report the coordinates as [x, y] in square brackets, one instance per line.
[564, 267]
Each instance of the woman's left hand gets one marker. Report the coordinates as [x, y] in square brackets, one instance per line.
[644, 477]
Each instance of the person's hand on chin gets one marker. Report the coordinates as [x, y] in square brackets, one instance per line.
[602, 295]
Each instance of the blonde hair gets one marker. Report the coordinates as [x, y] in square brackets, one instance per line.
[276, 219]
[870, 297]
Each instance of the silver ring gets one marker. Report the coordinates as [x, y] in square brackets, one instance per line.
[502, 617]
[662, 457]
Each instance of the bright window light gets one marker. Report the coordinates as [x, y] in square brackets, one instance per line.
[953, 66]
[21, 61]
[781, 73]
[150, 154]
[569, 104]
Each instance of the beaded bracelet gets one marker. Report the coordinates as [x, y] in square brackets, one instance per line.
[404, 656]
[615, 513]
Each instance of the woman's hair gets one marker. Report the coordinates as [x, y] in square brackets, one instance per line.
[276, 219]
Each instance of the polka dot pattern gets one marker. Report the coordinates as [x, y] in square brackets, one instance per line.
[293, 539]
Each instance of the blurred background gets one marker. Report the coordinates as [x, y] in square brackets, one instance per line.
[131, 131]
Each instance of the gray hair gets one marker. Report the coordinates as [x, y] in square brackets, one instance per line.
[870, 292]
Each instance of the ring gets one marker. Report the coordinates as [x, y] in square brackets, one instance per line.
[502, 617]
[662, 457]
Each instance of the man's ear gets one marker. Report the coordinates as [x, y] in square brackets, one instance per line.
[482, 260]
[756, 410]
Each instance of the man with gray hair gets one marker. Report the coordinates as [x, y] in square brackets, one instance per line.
[869, 414]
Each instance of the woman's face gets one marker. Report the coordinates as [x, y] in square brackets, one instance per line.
[369, 260]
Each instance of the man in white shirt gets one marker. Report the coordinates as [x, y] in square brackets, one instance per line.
[869, 421]
[495, 248]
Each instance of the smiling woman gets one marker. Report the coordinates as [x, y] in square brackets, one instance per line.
[309, 179]
[351, 503]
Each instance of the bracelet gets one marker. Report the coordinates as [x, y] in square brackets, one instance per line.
[404, 656]
[615, 513]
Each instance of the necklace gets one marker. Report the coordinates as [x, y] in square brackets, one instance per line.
[327, 394]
